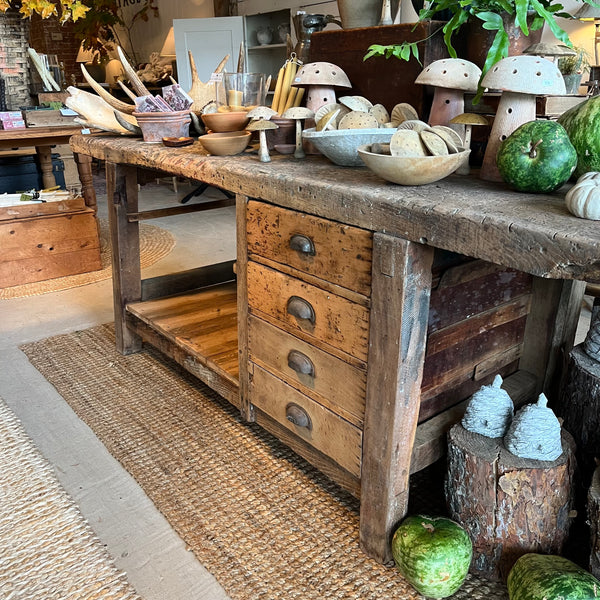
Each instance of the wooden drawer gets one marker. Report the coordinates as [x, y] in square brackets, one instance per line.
[325, 249]
[321, 317]
[336, 384]
[325, 431]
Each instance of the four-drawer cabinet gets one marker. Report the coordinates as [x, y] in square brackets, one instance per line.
[308, 289]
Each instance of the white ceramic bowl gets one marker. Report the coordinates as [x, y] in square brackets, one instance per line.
[340, 145]
[412, 170]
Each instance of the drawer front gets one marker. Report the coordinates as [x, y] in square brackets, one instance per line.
[324, 316]
[340, 386]
[331, 251]
[319, 427]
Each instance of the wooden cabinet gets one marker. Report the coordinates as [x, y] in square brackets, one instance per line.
[308, 281]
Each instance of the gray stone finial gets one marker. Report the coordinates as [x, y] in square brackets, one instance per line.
[489, 411]
[535, 432]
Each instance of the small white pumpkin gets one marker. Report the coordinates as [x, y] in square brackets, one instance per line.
[583, 199]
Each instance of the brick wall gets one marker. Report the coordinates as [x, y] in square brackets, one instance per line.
[14, 60]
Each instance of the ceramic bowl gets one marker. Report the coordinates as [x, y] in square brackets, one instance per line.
[412, 170]
[225, 143]
[221, 122]
[340, 145]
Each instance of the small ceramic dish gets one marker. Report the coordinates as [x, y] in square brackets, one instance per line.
[177, 142]
[225, 144]
[221, 122]
[412, 170]
[285, 148]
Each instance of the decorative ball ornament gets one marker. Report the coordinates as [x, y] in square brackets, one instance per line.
[535, 432]
[489, 411]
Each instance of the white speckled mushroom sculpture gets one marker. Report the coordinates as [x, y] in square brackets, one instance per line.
[320, 79]
[451, 78]
[520, 79]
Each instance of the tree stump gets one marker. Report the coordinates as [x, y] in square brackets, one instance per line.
[509, 505]
[593, 516]
[580, 409]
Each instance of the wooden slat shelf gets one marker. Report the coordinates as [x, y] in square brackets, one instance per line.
[199, 331]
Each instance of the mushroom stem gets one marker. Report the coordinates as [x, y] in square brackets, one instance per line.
[447, 104]
[263, 150]
[299, 152]
[465, 169]
[514, 109]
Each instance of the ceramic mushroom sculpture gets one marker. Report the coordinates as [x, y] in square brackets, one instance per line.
[451, 78]
[520, 79]
[262, 126]
[468, 120]
[298, 114]
[320, 79]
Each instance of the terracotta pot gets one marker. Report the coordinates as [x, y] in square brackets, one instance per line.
[479, 39]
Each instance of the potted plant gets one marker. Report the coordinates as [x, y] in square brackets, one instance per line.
[572, 68]
[493, 15]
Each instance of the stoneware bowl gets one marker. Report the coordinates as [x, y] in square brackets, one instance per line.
[340, 145]
[225, 143]
[412, 170]
[221, 122]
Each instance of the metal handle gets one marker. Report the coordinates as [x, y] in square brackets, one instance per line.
[303, 244]
[297, 415]
[299, 362]
[301, 309]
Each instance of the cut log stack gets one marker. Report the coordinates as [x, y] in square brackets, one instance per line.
[509, 505]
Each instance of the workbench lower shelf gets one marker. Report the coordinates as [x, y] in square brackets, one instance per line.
[198, 330]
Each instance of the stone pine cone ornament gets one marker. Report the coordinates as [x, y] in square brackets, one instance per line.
[535, 432]
[489, 411]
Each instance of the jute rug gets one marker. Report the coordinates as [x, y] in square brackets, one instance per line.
[261, 519]
[155, 243]
[47, 549]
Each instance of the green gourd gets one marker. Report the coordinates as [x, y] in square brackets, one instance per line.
[550, 577]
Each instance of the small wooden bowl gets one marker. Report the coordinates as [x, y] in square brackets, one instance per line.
[177, 142]
[225, 143]
[221, 122]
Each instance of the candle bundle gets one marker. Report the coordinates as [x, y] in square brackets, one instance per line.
[285, 95]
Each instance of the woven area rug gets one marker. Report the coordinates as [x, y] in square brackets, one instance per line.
[155, 243]
[47, 549]
[261, 519]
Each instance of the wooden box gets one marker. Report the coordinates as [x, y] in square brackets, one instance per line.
[386, 81]
[47, 240]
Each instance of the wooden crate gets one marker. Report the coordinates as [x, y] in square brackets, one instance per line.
[47, 240]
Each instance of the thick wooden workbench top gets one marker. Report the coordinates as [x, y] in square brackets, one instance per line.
[530, 232]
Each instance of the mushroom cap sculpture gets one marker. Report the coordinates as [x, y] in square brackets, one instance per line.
[451, 77]
[468, 120]
[261, 125]
[520, 79]
[298, 113]
[320, 80]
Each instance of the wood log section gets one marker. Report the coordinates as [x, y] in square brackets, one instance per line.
[593, 517]
[580, 409]
[509, 505]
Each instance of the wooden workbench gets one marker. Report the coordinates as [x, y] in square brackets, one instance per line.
[368, 247]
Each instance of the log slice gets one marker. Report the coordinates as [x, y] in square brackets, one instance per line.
[508, 505]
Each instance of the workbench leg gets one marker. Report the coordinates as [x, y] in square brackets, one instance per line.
[401, 290]
[122, 198]
[45, 157]
[86, 177]
[550, 331]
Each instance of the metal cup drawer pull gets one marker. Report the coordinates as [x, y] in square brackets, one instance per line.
[299, 362]
[301, 309]
[297, 415]
[302, 244]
